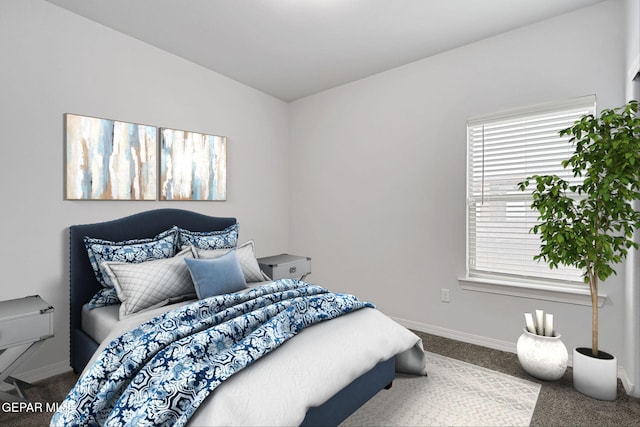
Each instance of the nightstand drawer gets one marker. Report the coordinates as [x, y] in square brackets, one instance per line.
[285, 266]
[24, 320]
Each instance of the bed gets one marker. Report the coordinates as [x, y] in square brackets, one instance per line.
[324, 391]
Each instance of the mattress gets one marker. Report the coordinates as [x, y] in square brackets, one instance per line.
[99, 322]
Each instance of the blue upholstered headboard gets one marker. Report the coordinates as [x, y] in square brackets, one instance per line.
[83, 284]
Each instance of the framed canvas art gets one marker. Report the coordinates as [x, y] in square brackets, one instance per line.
[109, 159]
[193, 166]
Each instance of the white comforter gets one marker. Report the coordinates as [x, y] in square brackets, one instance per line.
[280, 387]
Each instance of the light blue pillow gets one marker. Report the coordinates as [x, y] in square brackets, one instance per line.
[220, 239]
[216, 276]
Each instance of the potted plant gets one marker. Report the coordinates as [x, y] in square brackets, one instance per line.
[590, 225]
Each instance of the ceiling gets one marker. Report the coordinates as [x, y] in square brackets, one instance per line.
[294, 48]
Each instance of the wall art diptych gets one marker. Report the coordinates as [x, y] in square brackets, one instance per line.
[193, 166]
[110, 160]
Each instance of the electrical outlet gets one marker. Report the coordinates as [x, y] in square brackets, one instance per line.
[444, 295]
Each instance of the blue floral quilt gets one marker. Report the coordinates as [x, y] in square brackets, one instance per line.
[160, 372]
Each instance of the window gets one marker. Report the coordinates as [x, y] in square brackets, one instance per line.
[503, 150]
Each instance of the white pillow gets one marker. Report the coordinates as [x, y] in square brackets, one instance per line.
[246, 255]
[151, 284]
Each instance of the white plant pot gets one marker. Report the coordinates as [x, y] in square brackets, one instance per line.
[542, 357]
[593, 376]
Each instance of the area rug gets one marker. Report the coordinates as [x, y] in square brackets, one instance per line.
[454, 393]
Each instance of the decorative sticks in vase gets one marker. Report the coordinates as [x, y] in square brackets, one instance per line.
[542, 324]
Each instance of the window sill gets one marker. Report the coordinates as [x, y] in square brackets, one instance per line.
[572, 294]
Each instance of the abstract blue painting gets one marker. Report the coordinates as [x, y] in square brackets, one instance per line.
[110, 160]
[193, 166]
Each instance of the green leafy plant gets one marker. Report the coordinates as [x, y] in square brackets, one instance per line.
[590, 225]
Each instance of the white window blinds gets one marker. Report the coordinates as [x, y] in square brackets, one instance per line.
[503, 150]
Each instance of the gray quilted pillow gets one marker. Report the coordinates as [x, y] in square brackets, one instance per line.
[246, 255]
[151, 283]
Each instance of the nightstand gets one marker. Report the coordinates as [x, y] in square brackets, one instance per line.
[25, 324]
[285, 266]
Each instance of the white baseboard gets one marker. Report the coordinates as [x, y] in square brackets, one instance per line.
[628, 384]
[39, 374]
[458, 335]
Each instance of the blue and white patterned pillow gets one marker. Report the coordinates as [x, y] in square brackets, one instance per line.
[103, 298]
[133, 251]
[221, 239]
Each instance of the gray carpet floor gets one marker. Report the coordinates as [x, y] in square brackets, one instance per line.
[558, 404]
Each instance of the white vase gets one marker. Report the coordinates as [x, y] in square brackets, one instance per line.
[595, 377]
[542, 357]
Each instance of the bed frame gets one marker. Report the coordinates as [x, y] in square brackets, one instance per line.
[83, 285]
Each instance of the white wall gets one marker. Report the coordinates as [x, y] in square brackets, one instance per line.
[378, 173]
[632, 13]
[54, 62]
[632, 285]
